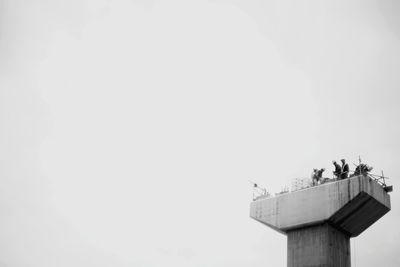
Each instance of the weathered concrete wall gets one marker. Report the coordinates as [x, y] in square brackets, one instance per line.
[320, 220]
[318, 246]
[352, 205]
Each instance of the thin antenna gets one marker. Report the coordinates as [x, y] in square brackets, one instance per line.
[258, 191]
[253, 183]
[254, 187]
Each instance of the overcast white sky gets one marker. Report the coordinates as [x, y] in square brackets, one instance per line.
[129, 129]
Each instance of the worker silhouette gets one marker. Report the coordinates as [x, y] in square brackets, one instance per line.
[338, 170]
[316, 176]
[362, 169]
[345, 169]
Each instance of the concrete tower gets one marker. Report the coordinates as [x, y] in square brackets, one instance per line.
[319, 221]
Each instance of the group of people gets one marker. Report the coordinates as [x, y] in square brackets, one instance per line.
[341, 172]
[362, 169]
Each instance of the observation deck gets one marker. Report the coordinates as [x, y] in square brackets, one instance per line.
[350, 206]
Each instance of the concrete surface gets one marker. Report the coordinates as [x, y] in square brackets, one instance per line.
[321, 245]
[349, 205]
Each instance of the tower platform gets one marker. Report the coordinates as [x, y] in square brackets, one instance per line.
[320, 220]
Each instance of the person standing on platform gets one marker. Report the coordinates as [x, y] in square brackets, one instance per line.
[345, 169]
[338, 170]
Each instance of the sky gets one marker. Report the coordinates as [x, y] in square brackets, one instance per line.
[129, 128]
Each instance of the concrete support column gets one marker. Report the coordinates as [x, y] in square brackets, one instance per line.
[318, 246]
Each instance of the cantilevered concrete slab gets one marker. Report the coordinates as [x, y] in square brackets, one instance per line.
[351, 205]
[320, 220]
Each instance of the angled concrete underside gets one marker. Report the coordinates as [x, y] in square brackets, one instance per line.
[350, 205]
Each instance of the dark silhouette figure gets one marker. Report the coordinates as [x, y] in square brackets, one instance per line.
[362, 169]
[317, 176]
[314, 177]
[345, 169]
[319, 173]
[338, 170]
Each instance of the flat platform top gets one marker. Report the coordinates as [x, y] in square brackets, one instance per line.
[351, 205]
